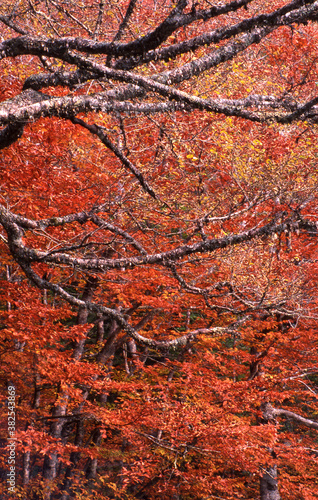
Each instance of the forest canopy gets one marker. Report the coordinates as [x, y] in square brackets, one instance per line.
[158, 239]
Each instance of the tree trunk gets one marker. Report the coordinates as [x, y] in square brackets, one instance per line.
[26, 467]
[74, 459]
[91, 466]
[268, 480]
[269, 484]
[51, 462]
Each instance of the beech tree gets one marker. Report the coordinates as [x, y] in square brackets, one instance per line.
[159, 248]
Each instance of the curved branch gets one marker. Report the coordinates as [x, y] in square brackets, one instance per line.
[7, 20]
[10, 134]
[96, 130]
[120, 318]
[54, 48]
[270, 413]
[230, 50]
[273, 19]
[17, 112]
[20, 251]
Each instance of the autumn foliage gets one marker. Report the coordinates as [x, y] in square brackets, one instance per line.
[158, 242]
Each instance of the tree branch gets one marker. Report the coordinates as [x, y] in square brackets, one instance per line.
[270, 413]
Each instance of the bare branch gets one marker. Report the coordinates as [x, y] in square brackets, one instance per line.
[125, 21]
[270, 413]
[96, 130]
